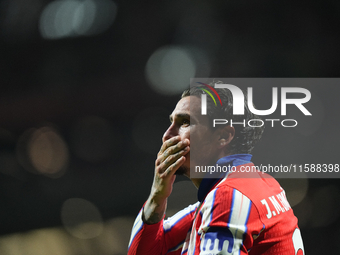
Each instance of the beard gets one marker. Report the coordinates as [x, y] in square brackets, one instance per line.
[182, 170]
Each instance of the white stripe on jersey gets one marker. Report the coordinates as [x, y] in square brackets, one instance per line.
[186, 243]
[207, 215]
[225, 177]
[171, 221]
[192, 242]
[240, 210]
[137, 226]
[207, 211]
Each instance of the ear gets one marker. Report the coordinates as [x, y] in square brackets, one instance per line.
[227, 134]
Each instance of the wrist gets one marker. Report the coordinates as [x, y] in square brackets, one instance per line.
[157, 198]
[153, 211]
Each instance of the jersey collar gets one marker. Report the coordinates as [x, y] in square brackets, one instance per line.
[232, 160]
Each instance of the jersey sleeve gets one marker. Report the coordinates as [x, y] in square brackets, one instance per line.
[229, 223]
[166, 236]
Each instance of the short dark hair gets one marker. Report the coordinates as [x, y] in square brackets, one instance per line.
[245, 137]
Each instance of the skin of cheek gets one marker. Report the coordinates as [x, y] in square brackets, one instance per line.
[201, 147]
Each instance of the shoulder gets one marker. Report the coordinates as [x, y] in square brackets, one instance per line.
[243, 190]
[227, 206]
[266, 196]
[252, 185]
[225, 198]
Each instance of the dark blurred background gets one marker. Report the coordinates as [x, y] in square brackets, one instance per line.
[86, 90]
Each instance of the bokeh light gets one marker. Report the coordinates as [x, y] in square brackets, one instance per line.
[73, 18]
[169, 70]
[81, 218]
[113, 240]
[116, 235]
[43, 151]
[296, 188]
[39, 242]
[48, 151]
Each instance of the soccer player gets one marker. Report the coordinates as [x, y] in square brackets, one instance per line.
[237, 213]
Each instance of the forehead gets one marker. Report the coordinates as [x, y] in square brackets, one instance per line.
[190, 105]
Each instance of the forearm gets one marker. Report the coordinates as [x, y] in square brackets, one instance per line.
[147, 236]
[169, 159]
[154, 210]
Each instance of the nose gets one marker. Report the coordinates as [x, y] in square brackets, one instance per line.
[170, 132]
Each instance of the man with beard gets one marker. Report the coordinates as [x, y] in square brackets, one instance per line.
[237, 212]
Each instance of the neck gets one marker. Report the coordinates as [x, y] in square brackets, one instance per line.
[196, 181]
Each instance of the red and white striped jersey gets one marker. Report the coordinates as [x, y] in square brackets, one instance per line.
[239, 214]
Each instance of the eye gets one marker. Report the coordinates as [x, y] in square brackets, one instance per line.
[186, 122]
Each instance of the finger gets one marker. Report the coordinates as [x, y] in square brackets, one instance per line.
[162, 165]
[173, 157]
[169, 143]
[174, 149]
[171, 170]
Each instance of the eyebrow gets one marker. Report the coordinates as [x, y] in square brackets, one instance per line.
[180, 115]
